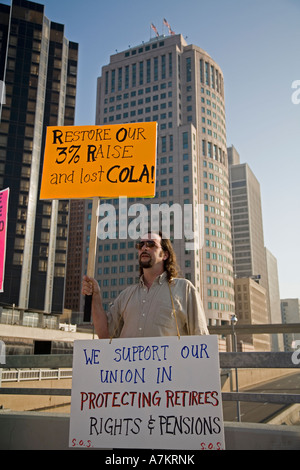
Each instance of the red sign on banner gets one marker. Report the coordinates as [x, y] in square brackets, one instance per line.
[3, 228]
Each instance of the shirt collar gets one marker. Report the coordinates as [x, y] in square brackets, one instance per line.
[159, 279]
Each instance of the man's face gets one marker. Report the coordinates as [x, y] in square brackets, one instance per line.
[150, 251]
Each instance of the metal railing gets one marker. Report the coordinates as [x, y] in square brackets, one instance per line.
[238, 435]
[228, 360]
[58, 363]
[257, 360]
[21, 375]
[251, 360]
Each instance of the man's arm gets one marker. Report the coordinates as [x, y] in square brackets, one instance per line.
[196, 315]
[91, 287]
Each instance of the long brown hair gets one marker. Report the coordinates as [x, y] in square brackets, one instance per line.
[170, 264]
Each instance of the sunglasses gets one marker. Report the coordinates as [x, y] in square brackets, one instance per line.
[148, 244]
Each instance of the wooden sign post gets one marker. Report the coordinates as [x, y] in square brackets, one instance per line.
[91, 258]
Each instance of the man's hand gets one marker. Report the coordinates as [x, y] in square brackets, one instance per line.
[90, 286]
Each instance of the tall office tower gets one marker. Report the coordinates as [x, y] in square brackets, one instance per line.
[274, 298]
[290, 312]
[40, 77]
[248, 247]
[181, 88]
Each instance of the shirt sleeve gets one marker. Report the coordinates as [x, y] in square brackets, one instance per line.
[197, 323]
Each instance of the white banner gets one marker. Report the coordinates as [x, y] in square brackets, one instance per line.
[148, 393]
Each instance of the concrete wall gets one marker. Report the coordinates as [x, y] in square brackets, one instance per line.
[16, 331]
[248, 378]
[252, 436]
[61, 404]
[50, 431]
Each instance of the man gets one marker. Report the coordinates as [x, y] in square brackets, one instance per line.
[159, 305]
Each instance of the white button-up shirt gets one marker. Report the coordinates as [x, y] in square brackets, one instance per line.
[142, 312]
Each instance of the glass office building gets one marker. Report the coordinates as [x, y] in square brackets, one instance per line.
[39, 69]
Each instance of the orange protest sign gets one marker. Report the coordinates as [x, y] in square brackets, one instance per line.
[100, 161]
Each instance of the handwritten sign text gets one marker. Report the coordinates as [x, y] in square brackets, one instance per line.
[100, 161]
[147, 393]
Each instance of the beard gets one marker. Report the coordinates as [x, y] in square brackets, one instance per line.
[145, 261]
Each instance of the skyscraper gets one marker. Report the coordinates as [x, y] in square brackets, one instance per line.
[181, 87]
[39, 68]
[247, 224]
[249, 256]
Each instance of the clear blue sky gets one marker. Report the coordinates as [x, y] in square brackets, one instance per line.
[257, 45]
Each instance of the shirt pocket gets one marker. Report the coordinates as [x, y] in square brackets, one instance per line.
[164, 315]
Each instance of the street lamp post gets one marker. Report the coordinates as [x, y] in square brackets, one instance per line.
[234, 320]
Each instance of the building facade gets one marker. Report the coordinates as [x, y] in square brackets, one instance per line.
[39, 68]
[181, 88]
[251, 309]
[274, 298]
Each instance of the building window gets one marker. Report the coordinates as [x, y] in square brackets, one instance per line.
[133, 77]
[185, 142]
[170, 65]
[127, 76]
[120, 78]
[106, 83]
[201, 70]
[206, 73]
[148, 65]
[212, 76]
[141, 73]
[155, 69]
[188, 69]
[113, 80]
[163, 67]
